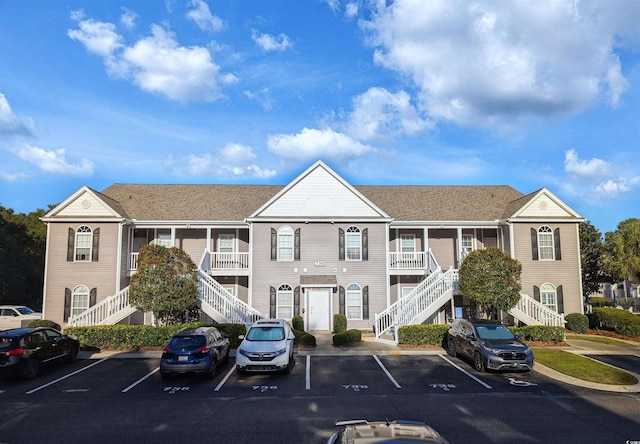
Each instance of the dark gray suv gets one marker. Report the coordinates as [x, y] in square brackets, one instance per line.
[489, 344]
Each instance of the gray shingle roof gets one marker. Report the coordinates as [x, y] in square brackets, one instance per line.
[236, 202]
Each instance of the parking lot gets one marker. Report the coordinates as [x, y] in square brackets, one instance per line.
[110, 398]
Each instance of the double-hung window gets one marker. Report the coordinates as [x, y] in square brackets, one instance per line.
[83, 243]
[353, 302]
[284, 302]
[545, 244]
[354, 244]
[79, 300]
[285, 243]
[548, 296]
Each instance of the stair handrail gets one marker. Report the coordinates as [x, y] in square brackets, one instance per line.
[98, 313]
[537, 311]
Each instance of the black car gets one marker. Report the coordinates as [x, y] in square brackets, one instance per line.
[198, 350]
[489, 344]
[23, 351]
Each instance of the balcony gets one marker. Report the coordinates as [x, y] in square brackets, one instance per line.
[229, 263]
[418, 262]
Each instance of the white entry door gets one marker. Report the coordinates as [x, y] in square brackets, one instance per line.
[318, 304]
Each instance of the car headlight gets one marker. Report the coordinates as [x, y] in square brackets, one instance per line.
[488, 349]
[280, 352]
[243, 352]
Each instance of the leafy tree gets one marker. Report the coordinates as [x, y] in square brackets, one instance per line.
[22, 252]
[165, 284]
[592, 259]
[623, 252]
[491, 278]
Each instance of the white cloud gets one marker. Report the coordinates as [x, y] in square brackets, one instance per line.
[503, 63]
[232, 160]
[12, 177]
[585, 170]
[315, 143]
[9, 123]
[379, 113]
[269, 42]
[157, 63]
[351, 10]
[128, 18]
[54, 162]
[262, 98]
[201, 14]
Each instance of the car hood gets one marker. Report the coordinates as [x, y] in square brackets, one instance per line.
[262, 346]
[506, 344]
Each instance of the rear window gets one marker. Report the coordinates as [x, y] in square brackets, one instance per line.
[6, 342]
[25, 310]
[187, 342]
[265, 334]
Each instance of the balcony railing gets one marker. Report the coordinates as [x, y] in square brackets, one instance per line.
[229, 261]
[133, 261]
[417, 260]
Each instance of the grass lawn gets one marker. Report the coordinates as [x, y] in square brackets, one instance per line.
[603, 340]
[582, 368]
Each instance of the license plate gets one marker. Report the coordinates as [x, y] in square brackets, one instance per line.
[183, 358]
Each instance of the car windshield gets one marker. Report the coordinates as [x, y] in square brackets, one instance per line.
[265, 334]
[25, 310]
[494, 332]
[187, 342]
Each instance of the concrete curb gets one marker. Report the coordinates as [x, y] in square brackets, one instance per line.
[587, 384]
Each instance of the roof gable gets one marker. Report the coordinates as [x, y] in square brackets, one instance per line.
[542, 204]
[319, 192]
[85, 203]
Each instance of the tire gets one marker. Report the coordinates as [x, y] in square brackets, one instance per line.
[451, 347]
[478, 362]
[212, 369]
[72, 355]
[290, 365]
[31, 368]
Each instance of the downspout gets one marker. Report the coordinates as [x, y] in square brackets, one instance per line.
[119, 258]
[250, 277]
[580, 270]
[388, 263]
[46, 271]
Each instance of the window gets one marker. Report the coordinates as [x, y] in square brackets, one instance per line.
[284, 302]
[466, 245]
[548, 296]
[84, 240]
[407, 290]
[226, 243]
[164, 239]
[79, 300]
[354, 244]
[545, 244]
[354, 302]
[285, 243]
[407, 243]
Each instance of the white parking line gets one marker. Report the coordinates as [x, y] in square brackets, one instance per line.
[308, 374]
[66, 376]
[466, 372]
[140, 380]
[219, 386]
[384, 369]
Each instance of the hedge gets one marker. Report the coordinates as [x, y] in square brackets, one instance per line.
[347, 337]
[422, 334]
[577, 322]
[339, 323]
[136, 337]
[539, 333]
[614, 319]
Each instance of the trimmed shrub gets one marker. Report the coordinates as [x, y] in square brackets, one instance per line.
[298, 323]
[539, 333]
[136, 337]
[355, 335]
[341, 339]
[307, 340]
[577, 322]
[44, 323]
[339, 323]
[600, 301]
[613, 319]
[422, 334]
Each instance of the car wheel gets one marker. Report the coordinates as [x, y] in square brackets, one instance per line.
[212, 369]
[451, 347]
[478, 362]
[72, 355]
[31, 368]
[290, 364]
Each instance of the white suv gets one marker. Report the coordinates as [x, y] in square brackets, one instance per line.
[267, 347]
[16, 316]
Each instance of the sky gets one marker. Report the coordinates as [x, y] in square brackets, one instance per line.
[529, 94]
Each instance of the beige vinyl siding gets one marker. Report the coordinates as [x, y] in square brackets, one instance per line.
[319, 242]
[62, 274]
[565, 272]
[193, 242]
[443, 245]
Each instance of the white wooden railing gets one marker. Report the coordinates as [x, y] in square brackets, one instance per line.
[218, 303]
[133, 261]
[531, 312]
[108, 311]
[417, 260]
[229, 261]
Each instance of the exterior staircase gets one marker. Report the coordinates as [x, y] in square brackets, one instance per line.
[438, 289]
[106, 312]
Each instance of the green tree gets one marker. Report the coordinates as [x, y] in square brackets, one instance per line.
[592, 260]
[491, 278]
[623, 252]
[165, 284]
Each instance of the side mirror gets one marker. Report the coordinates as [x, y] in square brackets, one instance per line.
[240, 337]
[292, 336]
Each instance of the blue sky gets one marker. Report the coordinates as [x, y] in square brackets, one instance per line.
[527, 94]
